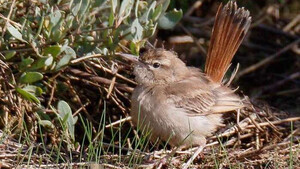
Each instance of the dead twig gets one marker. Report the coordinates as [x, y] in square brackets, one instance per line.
[267, 60]
[118, 122]
[109, 71]
[275, 122]
[290, 25]
[188, 163]
[98, 79]
[196, 5]
[8, 17]
[85, 58]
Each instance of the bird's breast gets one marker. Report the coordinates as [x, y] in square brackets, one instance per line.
[151, 108]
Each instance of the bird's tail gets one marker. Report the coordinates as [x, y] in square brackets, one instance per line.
[230, 27]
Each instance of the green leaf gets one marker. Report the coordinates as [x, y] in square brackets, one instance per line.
[37, 12]
[26, 63]
[155, 15]
[125, 8]
[84, 6]
[64, 120]
[150, 10]
[111, 19]
[103, 51]
[28, 96]
[136, 9]
[89, 38]
[30, 77]
[151, 30]
[137, 30]
[9, 55]
[114, 4]
[75, 119]
[55, 17]
[52, 50]
[46, 123]
[99, 3]
[170, 19]
[76, 7]
[35, 90]
[133, 48]
[42, 62]
[42, 115]
[166, 4]
[65, 45]
[69, 54]
[69, 21]
[65, 113]
[146, 15]
[64, 109]
[57, 34]
[48, 61]
[14, 32]
[110, 41]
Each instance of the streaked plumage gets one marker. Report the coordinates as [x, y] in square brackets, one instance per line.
[180, 104]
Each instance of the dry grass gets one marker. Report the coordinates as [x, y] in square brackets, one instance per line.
[261, 136]
[98, 89]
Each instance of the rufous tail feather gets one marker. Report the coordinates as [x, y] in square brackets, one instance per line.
[230, 27]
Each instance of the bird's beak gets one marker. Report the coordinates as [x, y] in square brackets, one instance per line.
[129, 57]
[134, 59]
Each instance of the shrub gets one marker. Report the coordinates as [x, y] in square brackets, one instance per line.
[41, 40]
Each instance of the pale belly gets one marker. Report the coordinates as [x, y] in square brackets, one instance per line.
[166, 122]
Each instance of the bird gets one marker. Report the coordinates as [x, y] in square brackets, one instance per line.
[183, 105]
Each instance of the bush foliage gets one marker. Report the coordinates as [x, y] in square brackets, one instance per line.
[41, 39]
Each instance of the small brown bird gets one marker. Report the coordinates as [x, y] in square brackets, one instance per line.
[180, 104]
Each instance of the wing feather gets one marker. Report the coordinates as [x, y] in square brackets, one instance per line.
[203, 97]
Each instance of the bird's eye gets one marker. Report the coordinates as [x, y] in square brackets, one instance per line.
[156, 65]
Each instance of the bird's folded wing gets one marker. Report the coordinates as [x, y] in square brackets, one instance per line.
[199, 104]
[199, 101]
